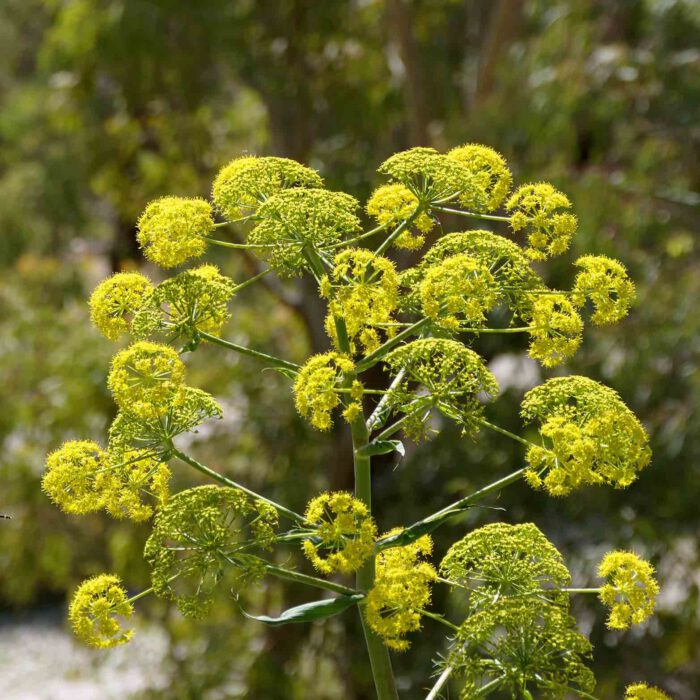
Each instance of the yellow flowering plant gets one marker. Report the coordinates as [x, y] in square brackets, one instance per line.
[415, 323]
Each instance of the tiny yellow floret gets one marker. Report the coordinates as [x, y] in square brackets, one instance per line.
[642, 691]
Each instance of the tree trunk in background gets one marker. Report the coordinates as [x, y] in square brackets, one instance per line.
[400, 25]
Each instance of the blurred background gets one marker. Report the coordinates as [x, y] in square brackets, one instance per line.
[106, 104]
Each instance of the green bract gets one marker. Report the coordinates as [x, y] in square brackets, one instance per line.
[200, 535]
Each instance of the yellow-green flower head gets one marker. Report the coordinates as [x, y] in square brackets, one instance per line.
[292, 220]
[458, 289]
[630, 591]
[429, 175]
[243, 184]
[390, 205]
[642, 691]
[605, 283]
[76, 476]
[491, 176]
[145, 378]
[532, 642]
[115, 301]
[505, 559]
[344, 533]
[589, 436]
[98, 611]
[171, 230]
[133, 476]
[202, 534]
[194, 301]
[448, 376]
[316, 387]
[542, 210]
[153, 435]
[509, 267]
[556, 329]
[401, 591]
[363, 291]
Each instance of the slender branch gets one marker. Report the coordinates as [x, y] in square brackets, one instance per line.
[243, 350]
[521, 329]
[444, 677]
[237, 246]
[375, 416]
[505, 432]
[489, 687]
[251, 280]
[233, 484]
[396, 426]
[471, 214]
[579, 590]
[361, 237]
[295, 576]
[382, 350]
[398, 231]
[440, 618]
[143, 594]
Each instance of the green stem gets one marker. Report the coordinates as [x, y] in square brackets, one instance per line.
[143, 594]
[522, 329]
[505, 432]
[439, 618]
[295, 576]
[397, 231]
[361, 237]
[382, 350]
[444, 677]
[233, 484]
[236, 246]
[580, 590]
[251, 280]
[471, 214]
[374, 418]
[489, 687]
[243, 350]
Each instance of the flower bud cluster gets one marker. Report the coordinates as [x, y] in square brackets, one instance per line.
[344, 533]
[641, 691]
[401, 591]
[115, 301]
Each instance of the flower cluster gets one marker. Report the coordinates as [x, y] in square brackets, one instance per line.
[344, 533]
[115, 301]
[363, 292]
[517, 617]
[171, 230]
[630, 591]
[460, 288]
[401, 591]
[296, 220]
[449, 377]
[146, 378]
[542, 210]
[243, 184]
[97, 611]
[193, 301]
[491, 176]
[392, 204]
[641, 691]
[592, 437]
[201, 534]
[604, 282]
[556, 328]
[316, 389]
[429, 175]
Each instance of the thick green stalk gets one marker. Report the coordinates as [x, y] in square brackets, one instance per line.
[378, 653]
[297, 577]
[243, 350]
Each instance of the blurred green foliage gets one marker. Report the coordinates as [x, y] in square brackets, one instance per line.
[105, 104]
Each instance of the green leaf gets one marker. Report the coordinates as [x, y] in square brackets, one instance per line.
[382, 447]
[309, 612]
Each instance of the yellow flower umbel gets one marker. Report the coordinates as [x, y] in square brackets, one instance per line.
[97, 611]
[556, 329]
[363, 291]
[451, 377]
[243, 184]
[295, 220]
[460, 288]
[543, 211]
[76, 477]
[344, 533]
[171, 230]
[401, 591]
[390, 205]
[589, 436]
[605, 283]
[429, 175]
[491, 176]
[630, 591]
[316, 387]
[115, 301]
[201, 536]
[194, 301]
[145, 378]
[641, 691]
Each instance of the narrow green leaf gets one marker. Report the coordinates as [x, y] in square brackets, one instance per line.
[382, 447]
[309, 612]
